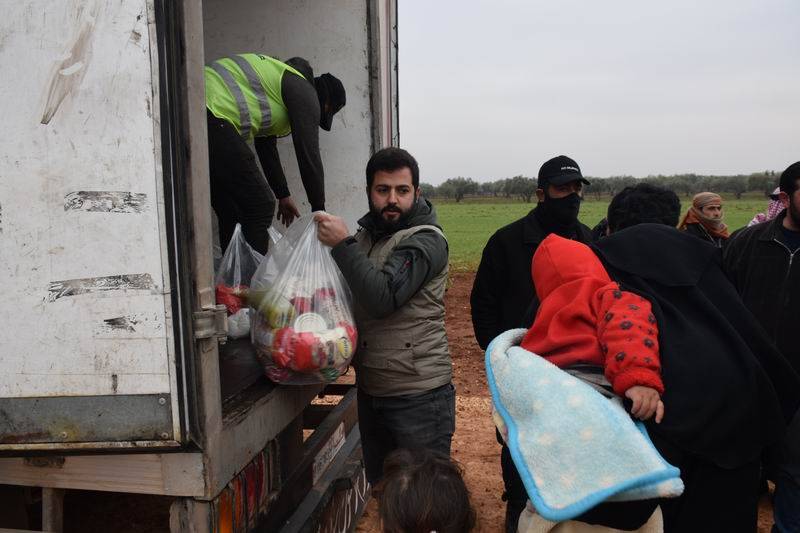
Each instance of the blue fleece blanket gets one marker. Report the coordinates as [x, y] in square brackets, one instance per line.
[573, 447]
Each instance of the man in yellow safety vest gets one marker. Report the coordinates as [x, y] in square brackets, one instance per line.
[257, 98]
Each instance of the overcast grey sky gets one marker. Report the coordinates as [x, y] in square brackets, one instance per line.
[491, 89]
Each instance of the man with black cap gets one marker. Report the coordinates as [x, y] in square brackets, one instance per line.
[761, 261]
[503, 296]
[257, 98]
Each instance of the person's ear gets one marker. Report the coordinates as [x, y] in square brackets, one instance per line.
[417, 194]
[540, 195]
[783, 198]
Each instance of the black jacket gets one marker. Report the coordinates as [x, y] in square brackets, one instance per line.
[767, 276]
[727, 390]
[503, 290]
[302, 105]
[701, 233]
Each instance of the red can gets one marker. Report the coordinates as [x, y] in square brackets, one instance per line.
[306, 352]
[282, 347]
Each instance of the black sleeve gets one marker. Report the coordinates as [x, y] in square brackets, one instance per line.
[485, 297]
[302, 104]
[267, 151]
[383, 290]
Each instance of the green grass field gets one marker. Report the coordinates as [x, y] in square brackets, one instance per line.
[470, 223]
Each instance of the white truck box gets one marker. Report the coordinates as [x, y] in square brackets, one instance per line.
[110, 327]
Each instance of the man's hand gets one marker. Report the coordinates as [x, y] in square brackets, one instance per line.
[331, 230]
[287, 210]
[646, 402]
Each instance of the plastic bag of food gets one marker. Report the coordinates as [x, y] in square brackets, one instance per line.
[303, 328]
[232, 281]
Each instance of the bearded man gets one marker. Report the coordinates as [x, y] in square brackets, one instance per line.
[759, 260]
[396, 267]
[503, 296]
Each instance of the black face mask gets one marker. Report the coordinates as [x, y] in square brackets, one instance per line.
[563, 211]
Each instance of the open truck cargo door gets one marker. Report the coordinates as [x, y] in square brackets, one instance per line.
[88, 357]
[109, 319]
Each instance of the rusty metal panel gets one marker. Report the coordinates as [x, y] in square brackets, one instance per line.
[85, 419]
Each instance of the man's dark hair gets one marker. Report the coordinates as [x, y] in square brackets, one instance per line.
[643, 202]
[789, 179]
[389, 160]
[423, 491]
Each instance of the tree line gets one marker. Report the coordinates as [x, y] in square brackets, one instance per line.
[524, 188]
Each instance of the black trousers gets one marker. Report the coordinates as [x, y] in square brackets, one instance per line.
[714, 500]
[426, 420]
[515, 494]
[239, 190]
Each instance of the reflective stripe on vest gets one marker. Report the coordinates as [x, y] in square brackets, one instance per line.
[258, 91]
[238, 95]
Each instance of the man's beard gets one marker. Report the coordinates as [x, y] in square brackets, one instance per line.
[793, 213]
[390, 225]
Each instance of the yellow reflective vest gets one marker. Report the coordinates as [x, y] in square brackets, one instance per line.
[245, 90]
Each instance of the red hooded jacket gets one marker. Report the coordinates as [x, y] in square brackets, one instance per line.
[584, 318]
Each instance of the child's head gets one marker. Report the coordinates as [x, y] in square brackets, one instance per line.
[423, 491]
[559, 261]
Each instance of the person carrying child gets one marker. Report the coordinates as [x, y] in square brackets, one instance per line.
[588, 326]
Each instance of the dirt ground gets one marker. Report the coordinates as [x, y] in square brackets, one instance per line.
[474, 446]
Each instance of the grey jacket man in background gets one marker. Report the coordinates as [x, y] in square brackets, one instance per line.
[396, 266]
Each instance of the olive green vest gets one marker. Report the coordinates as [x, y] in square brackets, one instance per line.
[405, 352]
[245, 90]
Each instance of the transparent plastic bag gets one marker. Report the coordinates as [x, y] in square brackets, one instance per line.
[274, 236]
[303, 328]
[232, 281]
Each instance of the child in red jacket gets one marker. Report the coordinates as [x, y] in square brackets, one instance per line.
[585, 319]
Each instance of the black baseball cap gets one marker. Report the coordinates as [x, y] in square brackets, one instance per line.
[558, 171]
[331, 91]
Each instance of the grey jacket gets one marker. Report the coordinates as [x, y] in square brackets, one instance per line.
[398, 281]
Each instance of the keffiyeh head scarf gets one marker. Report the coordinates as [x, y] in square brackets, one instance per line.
[714, 226]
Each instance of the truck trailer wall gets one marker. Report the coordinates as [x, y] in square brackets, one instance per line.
[333, 39]
[85, 311]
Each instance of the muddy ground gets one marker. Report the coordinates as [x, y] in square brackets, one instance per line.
[474, 446]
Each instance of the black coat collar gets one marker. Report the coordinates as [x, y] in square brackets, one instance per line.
[774, 230]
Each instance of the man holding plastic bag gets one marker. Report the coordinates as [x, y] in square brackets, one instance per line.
[396, 267]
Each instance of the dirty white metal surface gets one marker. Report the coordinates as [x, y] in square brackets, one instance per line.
[333, 39]
[85, 307]
[383, 23]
